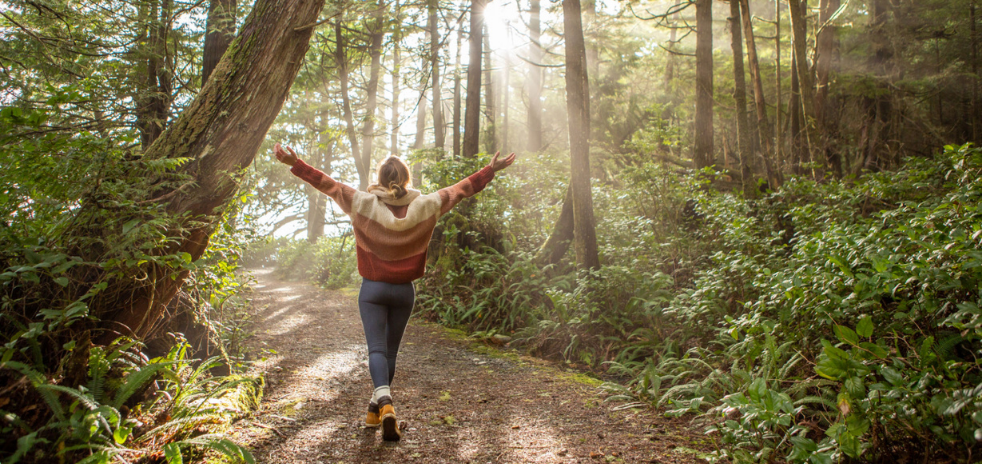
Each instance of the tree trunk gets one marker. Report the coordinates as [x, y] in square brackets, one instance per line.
[796, 118]
[744, 144]
[578, 115]
[763, 131]
[220, 132]
[535, 78]
[702, 155]
[505, 92]
[558, 242]
[877, 106]
[778, 133]
[153, 101]
[439, 127]
[457, 106]
[670, 67]
[220, 32]
[396, 81]
[341, 59]
[974, 78]
[589, 18]
[472, 114]
[824, 112]
[799, 42]
[489, 98]
[368, 128]
[420, 139]
[317, 201]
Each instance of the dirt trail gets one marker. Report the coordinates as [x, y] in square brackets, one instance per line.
[461, 403]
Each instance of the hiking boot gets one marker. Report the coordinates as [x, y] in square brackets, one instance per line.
[390, 426]
[373, 420]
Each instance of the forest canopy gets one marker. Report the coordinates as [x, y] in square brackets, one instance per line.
[759, 215]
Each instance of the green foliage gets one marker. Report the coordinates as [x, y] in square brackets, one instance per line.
[98, 420]
[331, 262]
[824, 321]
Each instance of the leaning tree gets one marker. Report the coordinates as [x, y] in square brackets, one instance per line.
[219, 135]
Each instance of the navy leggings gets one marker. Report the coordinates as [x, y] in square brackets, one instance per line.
[385, 309]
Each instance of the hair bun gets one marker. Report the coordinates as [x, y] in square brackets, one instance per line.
[396, 190]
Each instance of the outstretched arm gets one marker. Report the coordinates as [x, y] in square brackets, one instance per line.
[473, 183]
[339, 192]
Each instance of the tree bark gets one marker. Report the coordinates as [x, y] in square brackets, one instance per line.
[755, 78]
[457, 106]
[420, 136]
[795, 116]
[220, 132]
[974, 79]
[670, 67]
[763, 131]
[799, 42]
[778, 133]
[578, 116]
[368, 128]
[439, 127]
[824, 111]
[472, 114]
[744, 144]
[491, 104]
[702, 155]
[396, 80]
[505, 92]
[558, 242]
[220, 32]
[154, 99]
[877, 106]
[341, 59]
[535, 78]
[420, 139]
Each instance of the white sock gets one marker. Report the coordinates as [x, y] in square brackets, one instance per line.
[379, 393]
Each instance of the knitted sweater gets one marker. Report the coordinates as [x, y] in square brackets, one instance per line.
[392, 235]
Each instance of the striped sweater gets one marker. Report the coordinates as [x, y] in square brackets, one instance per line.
[392, 235]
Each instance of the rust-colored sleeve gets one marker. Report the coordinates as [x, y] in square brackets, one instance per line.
[470, 186]
[340, 193]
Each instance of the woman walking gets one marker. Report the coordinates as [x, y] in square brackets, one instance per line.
[392, 224]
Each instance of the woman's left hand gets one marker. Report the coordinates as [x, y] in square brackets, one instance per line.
[289, 158]
[497, 165]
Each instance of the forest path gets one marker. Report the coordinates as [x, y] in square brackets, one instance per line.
[462, 402]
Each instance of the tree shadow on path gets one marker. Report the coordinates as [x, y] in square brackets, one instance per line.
[459, 405]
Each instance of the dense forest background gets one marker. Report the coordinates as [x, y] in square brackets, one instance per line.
[760, 215]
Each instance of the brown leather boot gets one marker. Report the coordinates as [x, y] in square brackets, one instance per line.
[390, 426]
[374, 419]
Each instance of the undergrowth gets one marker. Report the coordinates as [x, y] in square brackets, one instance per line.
[822, 322]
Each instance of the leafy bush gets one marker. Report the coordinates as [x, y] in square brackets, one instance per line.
[821, 322]
[331, 262]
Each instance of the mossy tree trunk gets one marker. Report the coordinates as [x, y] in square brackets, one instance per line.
[220, 133]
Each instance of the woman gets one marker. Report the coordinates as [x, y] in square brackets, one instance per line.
[393, 224]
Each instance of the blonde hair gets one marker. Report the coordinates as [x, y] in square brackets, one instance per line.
[393, 176]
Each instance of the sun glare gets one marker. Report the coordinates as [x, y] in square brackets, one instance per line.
[504, 23]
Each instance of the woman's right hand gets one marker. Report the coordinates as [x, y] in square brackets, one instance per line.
[497, 165]
[289, 158]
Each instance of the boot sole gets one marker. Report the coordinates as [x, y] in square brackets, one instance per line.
[390, 428]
